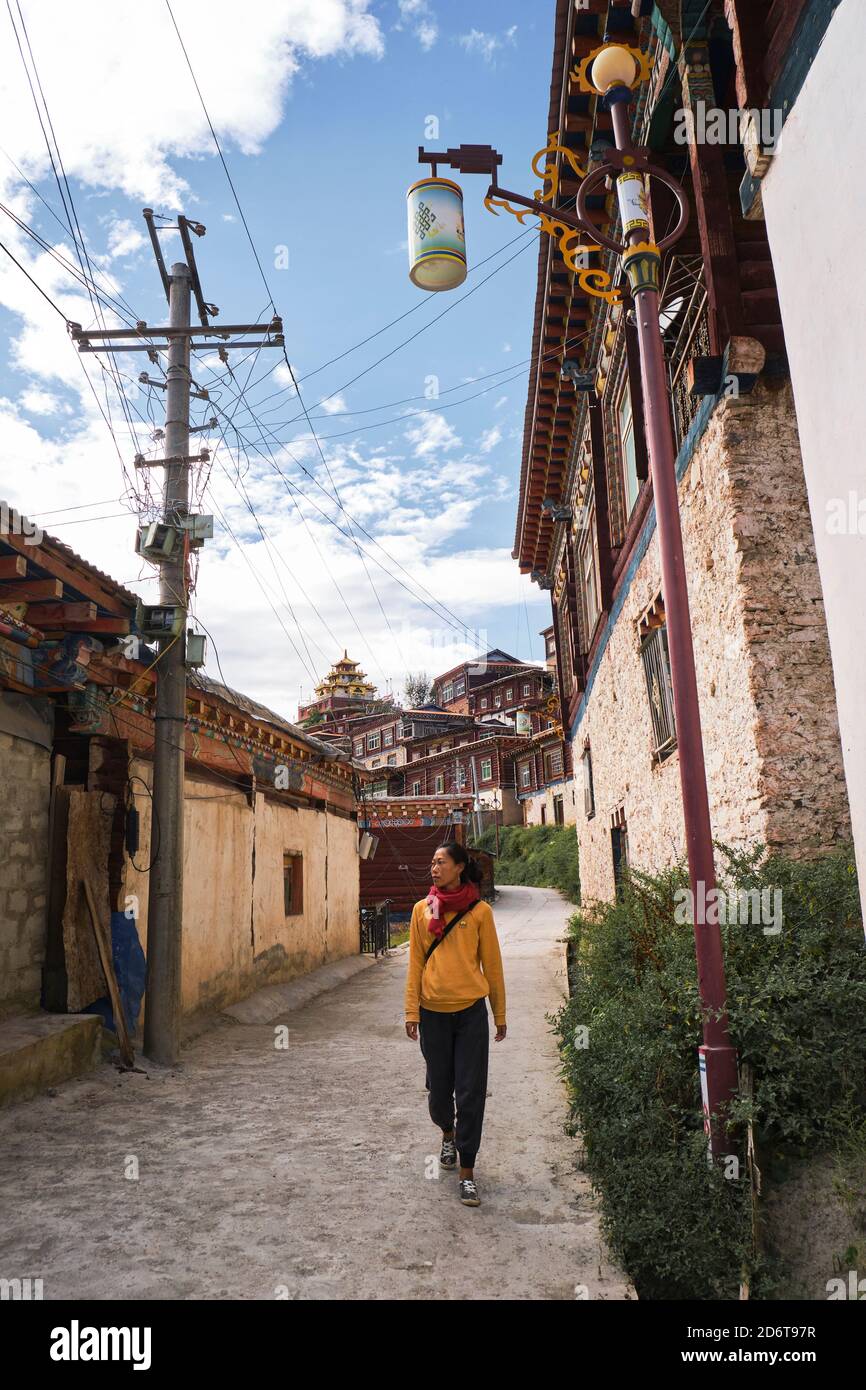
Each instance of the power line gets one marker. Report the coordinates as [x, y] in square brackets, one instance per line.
[46, 297]
[106, 414]
[422, 304]
[267, 453]
[77, 235]
[405, 342]
[222, 160]
[229, 424]
[258, 580]
[343, 510]
[274, 307]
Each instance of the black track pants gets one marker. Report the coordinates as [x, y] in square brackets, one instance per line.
[455, 1048]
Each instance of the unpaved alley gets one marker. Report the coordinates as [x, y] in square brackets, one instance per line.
[258, 1171]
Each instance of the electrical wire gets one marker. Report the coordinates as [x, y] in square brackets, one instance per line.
[351, 532]
[46, 297]
[449, 308]
[273, 304]
[76, 234]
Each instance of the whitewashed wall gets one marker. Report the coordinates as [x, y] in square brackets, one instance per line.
[815, 205]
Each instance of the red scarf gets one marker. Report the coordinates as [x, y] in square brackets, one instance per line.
[439, 903]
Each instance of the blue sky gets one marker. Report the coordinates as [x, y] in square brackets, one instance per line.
[320, 109]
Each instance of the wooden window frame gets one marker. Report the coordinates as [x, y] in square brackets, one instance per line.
[293, 884]
[655, 659]
[586, 549]
[622, 434]
[588, 785]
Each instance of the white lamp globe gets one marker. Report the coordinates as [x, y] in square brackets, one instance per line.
[614, 67]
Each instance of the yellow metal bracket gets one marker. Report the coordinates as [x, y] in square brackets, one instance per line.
[580, 73]
[594, 282]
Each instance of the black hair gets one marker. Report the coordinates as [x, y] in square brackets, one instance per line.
[470, 869]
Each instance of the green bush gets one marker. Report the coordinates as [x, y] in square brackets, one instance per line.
[542, 856]
[797, 1007]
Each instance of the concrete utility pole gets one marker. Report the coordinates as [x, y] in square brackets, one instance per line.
[167, 623]
[165, 900]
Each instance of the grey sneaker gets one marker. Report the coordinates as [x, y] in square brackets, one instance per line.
[469, 1193]
[448, 1155]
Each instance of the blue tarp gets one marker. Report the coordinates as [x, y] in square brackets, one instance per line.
[130, 969]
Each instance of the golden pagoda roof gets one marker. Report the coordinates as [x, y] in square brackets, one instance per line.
[345, 678]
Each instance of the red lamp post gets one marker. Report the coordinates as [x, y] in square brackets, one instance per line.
[641, 262]
[613, 76]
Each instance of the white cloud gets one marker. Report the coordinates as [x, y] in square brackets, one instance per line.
[258, 47]
[489, 439]
[477, 41]
[39, 402]
[422, 501]
[282, 377]
[334, 405]
[419, 14]
[124, 239]
[501, 402]
[432, 435]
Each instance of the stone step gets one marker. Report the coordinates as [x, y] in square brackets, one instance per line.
[42, 1050]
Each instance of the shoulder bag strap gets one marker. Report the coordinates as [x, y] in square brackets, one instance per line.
[453, 923]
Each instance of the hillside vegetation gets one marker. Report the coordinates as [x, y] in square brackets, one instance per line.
[540, 856]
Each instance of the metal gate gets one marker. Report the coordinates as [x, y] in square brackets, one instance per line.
[376, 927]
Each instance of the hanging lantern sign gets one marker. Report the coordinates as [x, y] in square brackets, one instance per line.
[437, 240]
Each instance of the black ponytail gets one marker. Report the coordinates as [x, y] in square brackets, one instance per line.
[470, 869]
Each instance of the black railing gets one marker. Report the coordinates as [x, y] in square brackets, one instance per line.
[376, 927]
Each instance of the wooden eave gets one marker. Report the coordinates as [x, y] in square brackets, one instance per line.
[563, 314]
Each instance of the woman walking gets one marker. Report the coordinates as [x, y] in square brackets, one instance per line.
[454, 966]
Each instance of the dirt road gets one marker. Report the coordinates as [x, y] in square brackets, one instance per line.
[262, 1171]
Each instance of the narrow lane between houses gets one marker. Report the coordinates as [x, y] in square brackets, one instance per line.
[300, 1172]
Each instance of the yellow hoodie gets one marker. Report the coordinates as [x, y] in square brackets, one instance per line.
[465, 967]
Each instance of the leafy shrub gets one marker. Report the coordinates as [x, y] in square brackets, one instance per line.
[797, 1008]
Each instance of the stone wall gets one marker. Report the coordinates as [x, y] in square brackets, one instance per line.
[771, 738]
[23, 871]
